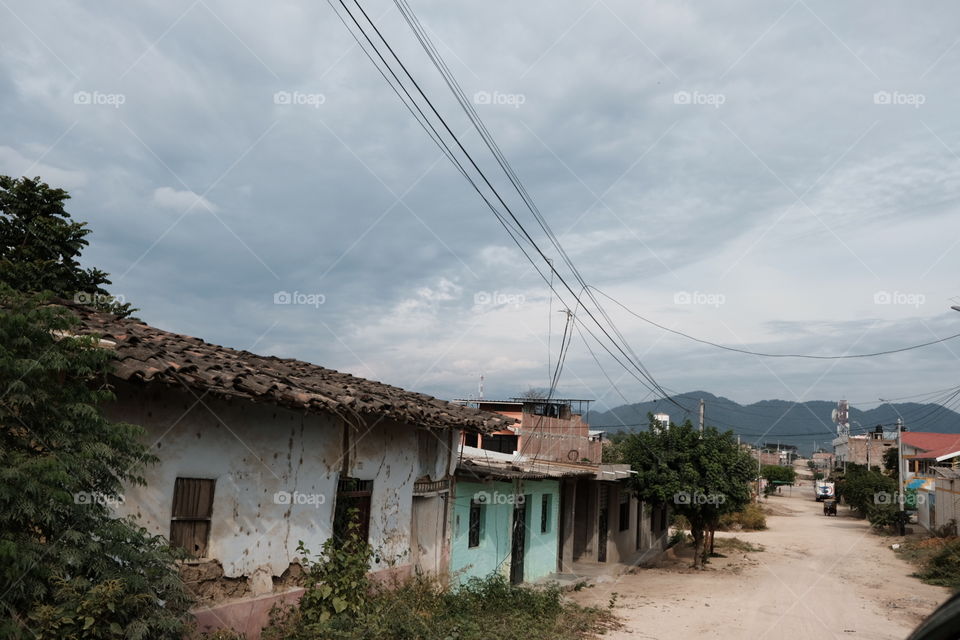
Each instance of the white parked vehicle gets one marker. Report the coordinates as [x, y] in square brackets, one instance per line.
[825, 490]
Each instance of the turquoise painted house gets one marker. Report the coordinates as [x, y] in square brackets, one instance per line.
[528, 519]
[504, 522]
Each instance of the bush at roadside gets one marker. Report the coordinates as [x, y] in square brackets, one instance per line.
[943, 567]
[751, 518]
[420, 609]
[341, 602]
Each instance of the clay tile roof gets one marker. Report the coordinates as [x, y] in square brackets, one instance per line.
[148, 354]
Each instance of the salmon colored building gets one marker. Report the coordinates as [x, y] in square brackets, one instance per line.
[553, 430]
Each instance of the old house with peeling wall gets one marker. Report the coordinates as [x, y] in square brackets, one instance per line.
[259, 453]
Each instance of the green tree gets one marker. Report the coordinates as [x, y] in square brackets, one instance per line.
[778, 474]
[40, 246]
[703, 474]
[68, 567]
[864, 489]
[891, 459]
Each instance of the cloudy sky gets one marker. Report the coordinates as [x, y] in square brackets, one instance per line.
[778, 176]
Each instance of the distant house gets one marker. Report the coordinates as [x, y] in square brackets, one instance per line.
[823, 460]
[547, 429]
[947, 497]
[258, 453]
[533, 499]
[924, 454]
[866, 449]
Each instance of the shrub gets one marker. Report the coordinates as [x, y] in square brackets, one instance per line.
[679, 536]
[943, 568]
[336, 583]
[420, 609]
[884, 515]
[751, 518]
[736, 544]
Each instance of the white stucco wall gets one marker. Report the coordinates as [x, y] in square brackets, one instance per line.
[254, 451]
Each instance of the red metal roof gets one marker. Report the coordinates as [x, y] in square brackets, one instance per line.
[934, 445]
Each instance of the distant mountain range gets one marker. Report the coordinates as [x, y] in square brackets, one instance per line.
[804, 424]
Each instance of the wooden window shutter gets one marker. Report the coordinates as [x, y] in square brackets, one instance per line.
[191, 514]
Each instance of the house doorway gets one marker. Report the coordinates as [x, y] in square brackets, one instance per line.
[519, 545]
[603, 522]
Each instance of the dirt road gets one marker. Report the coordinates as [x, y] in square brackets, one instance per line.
[818, 577]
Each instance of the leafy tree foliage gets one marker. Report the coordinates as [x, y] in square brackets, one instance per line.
[337, 583]
[867, 490]
[703, 475]
[40, 245]
[777, 475]
[891, 459]
[68, 567]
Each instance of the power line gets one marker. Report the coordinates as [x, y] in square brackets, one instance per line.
[772, 355]
[491, 144]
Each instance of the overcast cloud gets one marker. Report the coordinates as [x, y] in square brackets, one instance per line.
[781, 176]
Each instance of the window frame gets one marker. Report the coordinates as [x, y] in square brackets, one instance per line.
[358, 494]
[475, 523]
[546, 508]
[192, 513]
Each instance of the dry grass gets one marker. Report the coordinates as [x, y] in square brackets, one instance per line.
[736, 544]
[937, 560]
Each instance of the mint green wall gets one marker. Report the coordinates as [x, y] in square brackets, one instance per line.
[541, 548]
[493, 552]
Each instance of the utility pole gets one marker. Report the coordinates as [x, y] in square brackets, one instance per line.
[759, 455]
[900, 497]
[701, 415]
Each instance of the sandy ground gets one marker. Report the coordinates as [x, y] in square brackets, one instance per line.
[818, 577]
